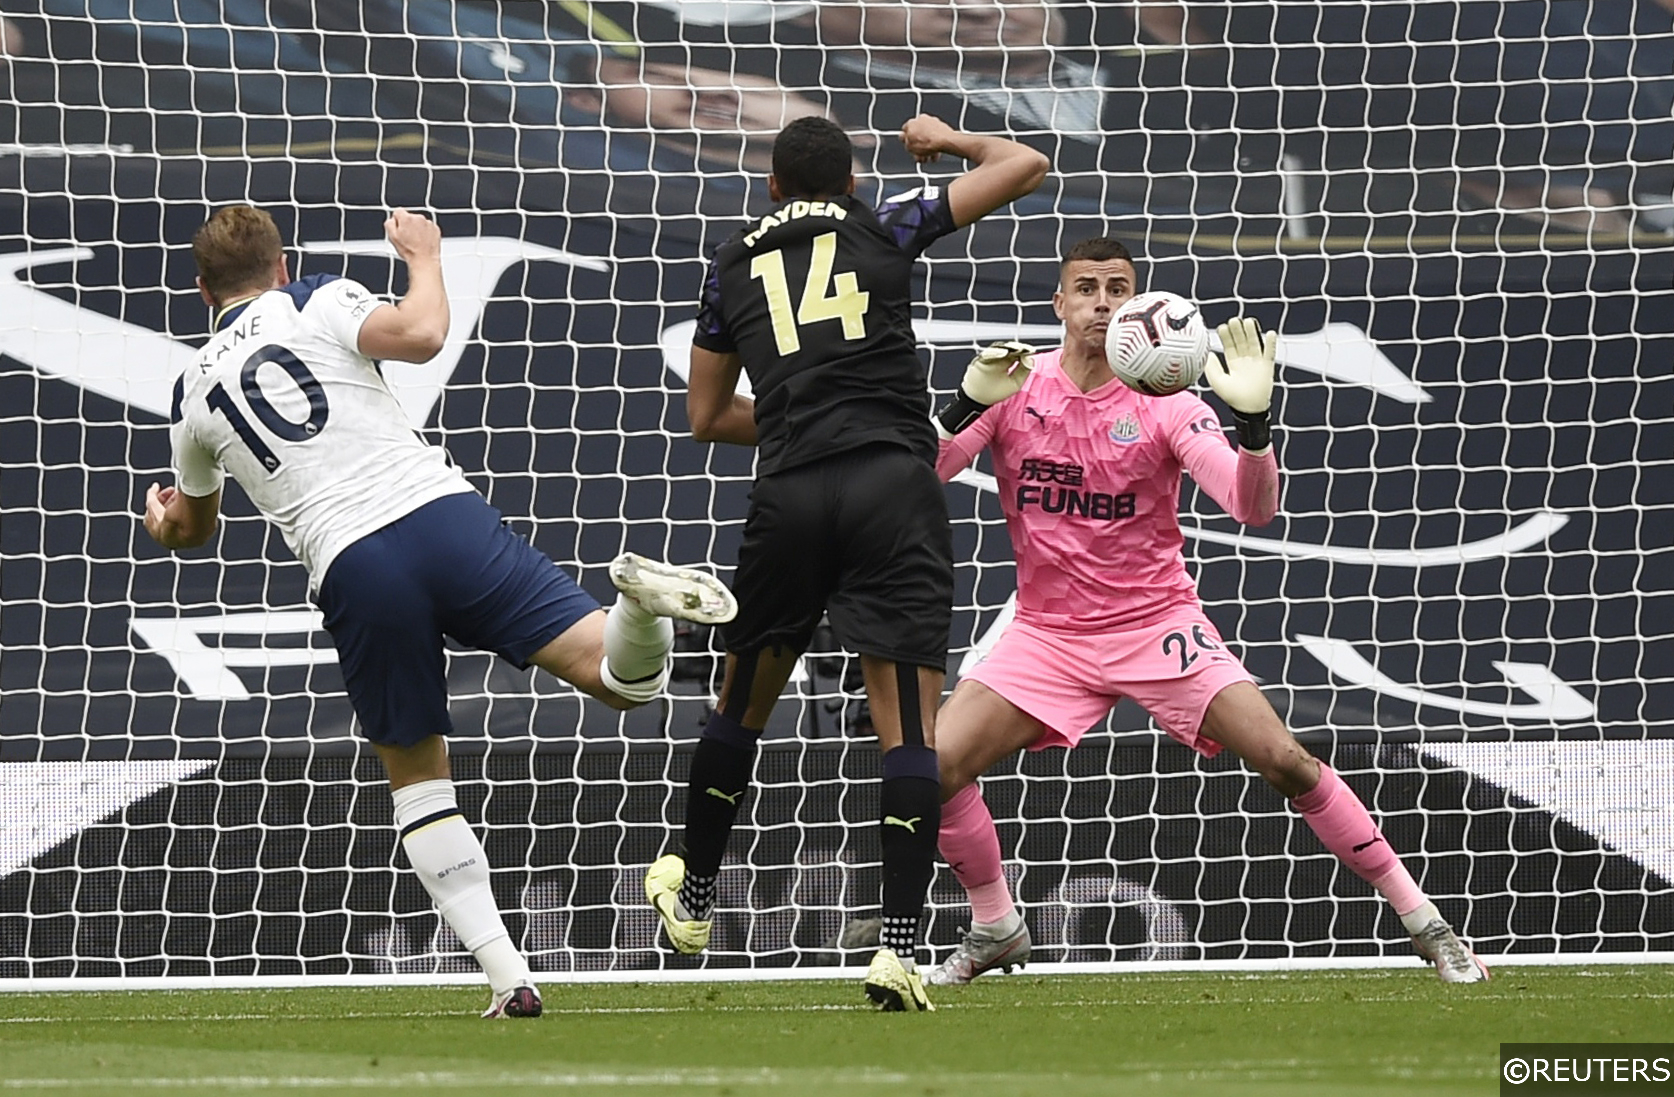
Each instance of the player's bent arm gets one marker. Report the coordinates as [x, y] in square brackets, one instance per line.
[1005, 171]
[177, 521]
[415, 329]
[716, 411]
[409, 331]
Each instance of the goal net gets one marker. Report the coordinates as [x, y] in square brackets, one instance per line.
[1457, 215]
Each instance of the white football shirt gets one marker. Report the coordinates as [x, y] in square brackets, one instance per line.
[283, 400]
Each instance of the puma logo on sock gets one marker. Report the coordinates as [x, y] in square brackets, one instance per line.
[897, 821]
[717, 793]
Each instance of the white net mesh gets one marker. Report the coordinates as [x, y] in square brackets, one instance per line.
[1456, 214]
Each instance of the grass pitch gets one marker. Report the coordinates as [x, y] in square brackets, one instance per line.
[1316, 1033]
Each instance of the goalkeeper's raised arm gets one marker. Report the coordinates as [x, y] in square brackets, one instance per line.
[1246, 485]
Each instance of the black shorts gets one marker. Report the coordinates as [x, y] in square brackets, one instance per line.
[863, 536]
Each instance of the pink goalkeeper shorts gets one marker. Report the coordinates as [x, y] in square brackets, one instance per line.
[1070, 681]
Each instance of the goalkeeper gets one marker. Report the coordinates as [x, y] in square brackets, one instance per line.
[1089, 475]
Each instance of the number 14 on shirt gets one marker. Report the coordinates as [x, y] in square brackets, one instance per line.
[848, 302]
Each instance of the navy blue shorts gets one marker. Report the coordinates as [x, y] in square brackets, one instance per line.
[450, 568]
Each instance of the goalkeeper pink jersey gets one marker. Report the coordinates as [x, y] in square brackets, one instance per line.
[1090, 486]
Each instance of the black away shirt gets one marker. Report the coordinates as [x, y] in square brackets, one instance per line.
[816, 299]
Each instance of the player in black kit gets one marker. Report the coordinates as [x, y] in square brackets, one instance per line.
[847, 517]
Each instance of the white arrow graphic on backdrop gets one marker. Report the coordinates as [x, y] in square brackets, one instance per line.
[1532, 531]
[137, 366]
[471, 267]
[1618, 790]
[1337, 351]
[206, 671]
[111, 357]
[45, 803]
[1553, 699]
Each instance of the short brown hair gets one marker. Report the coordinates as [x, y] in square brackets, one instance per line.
[1096, 249]
[235, 250]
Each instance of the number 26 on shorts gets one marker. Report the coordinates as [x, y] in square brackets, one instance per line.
[1188, 644]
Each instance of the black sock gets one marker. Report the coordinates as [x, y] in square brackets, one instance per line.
[912, 816]
[721, 767]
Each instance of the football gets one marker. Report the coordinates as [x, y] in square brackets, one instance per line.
[1157, 344]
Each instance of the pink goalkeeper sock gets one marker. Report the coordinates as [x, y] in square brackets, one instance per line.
[971, 846]
[1339, 818]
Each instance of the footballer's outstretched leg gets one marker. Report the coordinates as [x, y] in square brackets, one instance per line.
[662, 888]
[638, 633]
[1241, 719]
[671, 591]
[895, 987]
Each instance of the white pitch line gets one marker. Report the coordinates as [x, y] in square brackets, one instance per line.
[859, 1007]
[955, 1005]
[1229, 1070]
[449, 1080]
[1275, 968]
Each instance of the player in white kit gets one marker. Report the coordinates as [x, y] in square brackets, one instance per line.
[1089, 480]
[288, 396]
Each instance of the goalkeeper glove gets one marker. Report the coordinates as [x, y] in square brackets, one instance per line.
[996, 373]
[1245, 379]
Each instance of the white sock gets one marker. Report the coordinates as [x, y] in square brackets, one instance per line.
[453, 867]
[636, 647]
[1005, 927]
[1416, 920]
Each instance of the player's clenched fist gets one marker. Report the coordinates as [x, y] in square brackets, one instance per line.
[413, 235]
[926, 137]
[157, 500]
[1244, 378]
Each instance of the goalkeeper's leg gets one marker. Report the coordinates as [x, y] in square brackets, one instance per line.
[974, 730]
[1240, 719]
[681, 886]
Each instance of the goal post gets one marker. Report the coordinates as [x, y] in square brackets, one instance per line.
[1463, 607]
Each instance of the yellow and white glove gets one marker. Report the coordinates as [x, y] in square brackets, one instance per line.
[1244, 379]
[996, 373]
